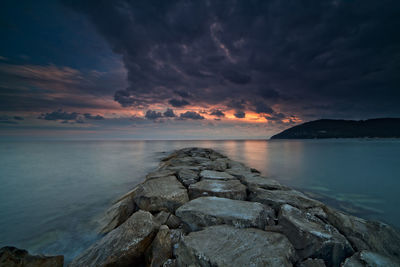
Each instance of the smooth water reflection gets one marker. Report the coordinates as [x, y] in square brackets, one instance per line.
[52, 192]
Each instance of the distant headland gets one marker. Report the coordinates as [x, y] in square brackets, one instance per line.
[325, 128]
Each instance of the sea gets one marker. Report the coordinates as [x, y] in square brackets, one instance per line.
[53, 193]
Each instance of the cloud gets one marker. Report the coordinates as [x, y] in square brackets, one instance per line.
[263, 108]
[18, 118]
[91, 117]
[178, 103]
[191, 115]
[67, 117]
[217, 112]
[169, 113]
[153, 115]
[240, 114]
[236, 77]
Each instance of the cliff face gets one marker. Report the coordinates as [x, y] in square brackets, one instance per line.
[383, 128]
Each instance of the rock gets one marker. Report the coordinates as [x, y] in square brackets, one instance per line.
[370, 259]
[117, 214]
[161, 248]
[312, 263]
[184, 167]
[14, 257]
[159, 194]
[176, 237]
[225, 245]
[123, 246]
[220, 164]
[214, 175]
[170, 263]
[232, 189]
[276, 198]
[188, 177]
[313, 238]
[173, 221]
[254, 180]
[160, 173]
[366, 235]
[162, 217]
[255, 170]
[207, 211]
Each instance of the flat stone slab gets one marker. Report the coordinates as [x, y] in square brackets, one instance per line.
[255, 180]
[216, 175]
[369, 258]
[232, 189]
[160, 173]
[124, 246]
[206, 211]
[165, 193]
[313, 238]
[188, 177]
[276, 198]
[225, 245]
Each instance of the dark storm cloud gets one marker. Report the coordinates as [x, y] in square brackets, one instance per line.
[191, 115]
[217, 112]
[153, 115]
[169, 113]
[178, 103]
[263, 108]
[341, 54]
[65, 117]
[183, 94]
[240, 114]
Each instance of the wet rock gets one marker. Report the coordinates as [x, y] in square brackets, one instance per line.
[370, 259]
[160, 173]
[184, 167]
[276, 198]
[124, 246]
[170, 263]
[232, 189]
[207, 211]
[158, 194]
[215, 175]
[313, 238]
[117, 214]
[14, 257]
[225, 245]
[161, 248]
[312, 263]
[162, 217]
[254, 180]
[366, 235]
[220, 164]
[173, 221]
[188, 177]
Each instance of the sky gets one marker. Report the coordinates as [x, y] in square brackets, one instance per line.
[83, 69]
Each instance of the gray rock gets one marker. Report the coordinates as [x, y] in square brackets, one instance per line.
[215, 175]
[254, 180]
[207, 211]
[162, 217]
[170, 263]
[123, 246]
[232, 189]
[14, 257]
[117, 214]
[160, 173]
[312, 263]
[276, 198]
[173, 221]
[370, 259]
[225, 245]
[366, 235]
[184, 167]
[161, 248]
[220, 164]
[158, 194]
[313, 238]
[188, 177]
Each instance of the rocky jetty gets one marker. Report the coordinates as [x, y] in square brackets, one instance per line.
[200, 208]
[14, 257]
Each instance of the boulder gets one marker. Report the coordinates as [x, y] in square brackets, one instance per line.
[366, 235]
[169, 219]
[14, 257]
[312, 263]
[160, 173]
[117, 214]
[162, 217]
[224, 245]
[255, 180]
[158, 194]
[232, 189]
[161, 248]
[370, 259]
[313, 238]
[123, 246]
[215, 175]
[207, 211]
[276, 198]
[170, 263]
[188, 177]
[220, 164]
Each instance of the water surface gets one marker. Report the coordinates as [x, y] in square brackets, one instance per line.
[52, 192]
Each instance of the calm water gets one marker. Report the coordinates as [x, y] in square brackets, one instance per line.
[52, 192]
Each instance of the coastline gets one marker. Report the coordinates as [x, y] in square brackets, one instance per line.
[198, 196]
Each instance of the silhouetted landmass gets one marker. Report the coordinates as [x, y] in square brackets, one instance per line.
[379, 128]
